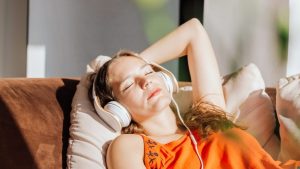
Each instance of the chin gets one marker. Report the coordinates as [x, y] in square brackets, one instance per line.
[161, 103]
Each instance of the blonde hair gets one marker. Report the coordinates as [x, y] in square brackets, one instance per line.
[207, 118]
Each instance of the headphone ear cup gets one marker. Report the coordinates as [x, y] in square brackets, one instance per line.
[120, 111]
[113, 113]
[167, 80]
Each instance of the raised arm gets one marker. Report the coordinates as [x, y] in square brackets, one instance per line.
[192, 40]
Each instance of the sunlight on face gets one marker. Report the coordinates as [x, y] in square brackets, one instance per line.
[137, 87]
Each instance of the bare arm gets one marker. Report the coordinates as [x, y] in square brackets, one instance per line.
[126, 152]
[192, 40]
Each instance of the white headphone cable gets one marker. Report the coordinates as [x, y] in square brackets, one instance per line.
[191, 134]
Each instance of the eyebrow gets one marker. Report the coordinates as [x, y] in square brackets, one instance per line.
[127, 77]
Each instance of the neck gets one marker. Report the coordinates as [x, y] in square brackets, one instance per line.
[163, 123]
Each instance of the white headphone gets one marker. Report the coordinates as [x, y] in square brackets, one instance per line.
[115, 115]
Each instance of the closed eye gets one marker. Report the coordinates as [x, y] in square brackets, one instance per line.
[149, 72]
[147, 69]
[127, 86]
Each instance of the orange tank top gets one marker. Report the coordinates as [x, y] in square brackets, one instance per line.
[233, 149]
[176, 154]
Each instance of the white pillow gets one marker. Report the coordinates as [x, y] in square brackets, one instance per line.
[239, 85]
[251, 106]
[90, 136]
[288, 112]
[258, 114]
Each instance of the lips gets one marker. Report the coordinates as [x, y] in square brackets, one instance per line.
[154, 93]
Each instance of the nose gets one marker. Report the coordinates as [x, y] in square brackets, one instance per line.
[145, 82]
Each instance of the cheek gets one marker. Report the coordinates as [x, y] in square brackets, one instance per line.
[161, 82]
[133, 100]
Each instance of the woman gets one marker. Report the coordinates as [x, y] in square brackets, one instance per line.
[155, 138]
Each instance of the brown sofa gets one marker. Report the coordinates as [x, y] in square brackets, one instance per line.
[34, 122]
[35, 119]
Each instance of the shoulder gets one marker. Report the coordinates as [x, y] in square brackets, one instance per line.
[126, 142]
[125, 149]
[129, 139]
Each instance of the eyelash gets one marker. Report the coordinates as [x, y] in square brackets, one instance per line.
[128, 86]
[149, 72]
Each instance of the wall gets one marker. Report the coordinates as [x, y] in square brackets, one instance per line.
[247, 31]
[293, 66]
[13, 34]
[65, 35]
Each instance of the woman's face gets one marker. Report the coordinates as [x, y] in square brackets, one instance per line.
[138, 88]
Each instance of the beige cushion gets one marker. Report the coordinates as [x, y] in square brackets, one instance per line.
[257, 113]
[90, 136]
[239, 85]
[249, 104]
[288, 112]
